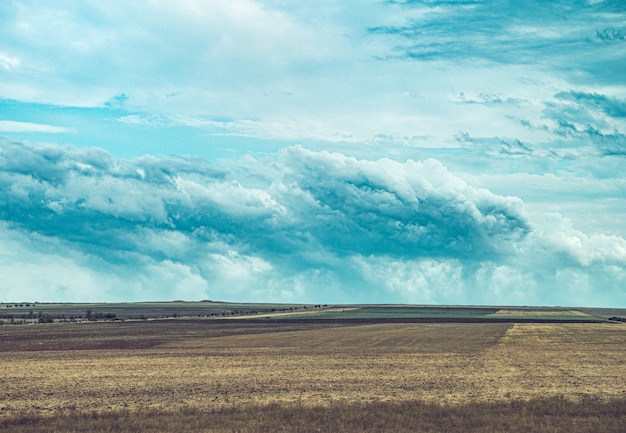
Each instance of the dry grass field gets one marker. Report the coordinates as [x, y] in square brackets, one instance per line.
[205, 376]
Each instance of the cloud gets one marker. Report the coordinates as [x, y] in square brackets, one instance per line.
[344, 204]
[582, 248]
[575, 132]
[434, 113]
[412, 208]
[263, 130]
[37, 267]
[613, 107]
[581, 119]
[543, 33]
[244, 71]
[582, 110]
[15, 126]
[103, 49]
[296, 225]
[321, 207]
[8, 63]
[454, 89]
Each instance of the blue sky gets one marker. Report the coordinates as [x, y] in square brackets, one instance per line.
[440, 152]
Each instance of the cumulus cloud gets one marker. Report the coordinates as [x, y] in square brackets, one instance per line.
[343, 204]
[579, 247]
[296, 225]
[412, 208]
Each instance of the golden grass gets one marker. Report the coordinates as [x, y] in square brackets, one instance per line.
[574, 360]
[449, 364]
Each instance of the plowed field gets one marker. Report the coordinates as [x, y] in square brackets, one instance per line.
[50, 369]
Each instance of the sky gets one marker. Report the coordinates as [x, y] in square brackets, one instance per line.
[355, 151]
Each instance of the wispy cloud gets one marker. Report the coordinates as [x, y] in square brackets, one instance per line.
[8, 63]
[15, 126]
[269, 71]
[550, 34]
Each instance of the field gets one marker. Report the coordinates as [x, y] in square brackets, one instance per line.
[305, 374]
[31, 312]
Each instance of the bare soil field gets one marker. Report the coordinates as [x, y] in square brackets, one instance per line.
[88, 373]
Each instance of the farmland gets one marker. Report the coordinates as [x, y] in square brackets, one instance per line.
[31, 312]
[308, 372]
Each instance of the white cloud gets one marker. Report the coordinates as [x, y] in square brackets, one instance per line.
[428, 281]
[9, 63]
[162, 280]
[593, 205]
[586, 250]
[15, 126]
[152, 50]
[39, 268]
